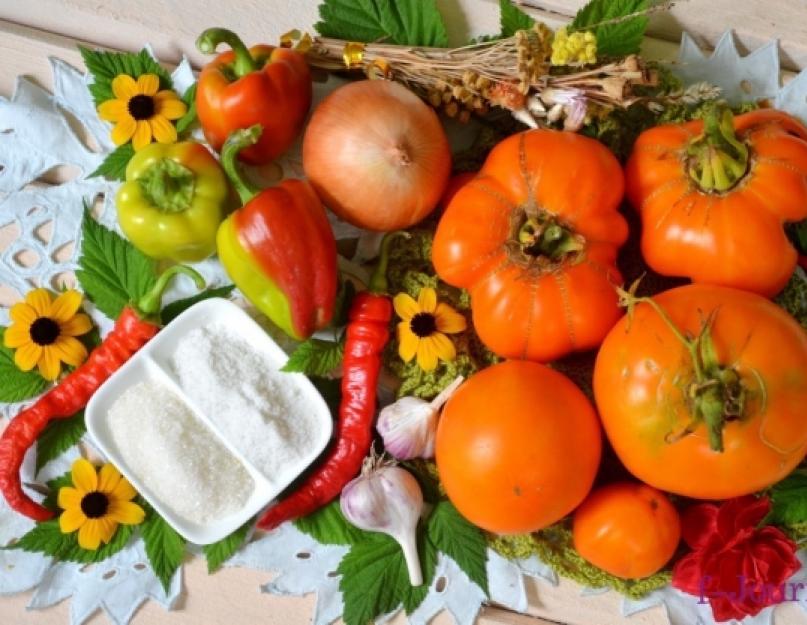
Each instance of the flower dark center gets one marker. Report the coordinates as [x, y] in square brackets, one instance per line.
[44, 331]
[94, 505]
[423, 324]
[141, 107]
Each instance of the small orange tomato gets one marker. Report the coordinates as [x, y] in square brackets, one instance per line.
[517, 447]
[627, 529]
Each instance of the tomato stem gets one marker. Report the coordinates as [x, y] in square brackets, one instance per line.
[546, 237]
[718, 160]
[717, 393]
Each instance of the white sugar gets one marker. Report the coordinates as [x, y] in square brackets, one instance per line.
[178, 458]
[264, 413]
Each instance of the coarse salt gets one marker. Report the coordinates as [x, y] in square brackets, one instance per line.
[263, 412]
[169, 449]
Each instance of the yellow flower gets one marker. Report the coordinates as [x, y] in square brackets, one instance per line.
[140, 112]
[96, 504]
[43, 332]
[424, 327]
[574, 48]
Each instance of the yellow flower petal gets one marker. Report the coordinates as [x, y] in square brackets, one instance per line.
[107, 528]
[49, 364]
[164, 131]
[27, 356]
[65, 306]
[84, 477]
[71, 519]
[123, 491]
[142, 135]
[89, 535]
[124, 87]
[148, 84]
[407, 342]
[427, 354]
[443, 347]
[169, 105]
[449, 320]
[427, 299]
[22, 312]
[405, 306]
[112, 110]
[39, 300]
[124, 130]
[126, 512]
[69, 498]
[69, 350]
[17, 335]
[108, 478]
[78, 325]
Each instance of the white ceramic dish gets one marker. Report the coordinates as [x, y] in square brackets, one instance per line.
[151, 363]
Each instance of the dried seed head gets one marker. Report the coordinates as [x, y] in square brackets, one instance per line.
[451, 109]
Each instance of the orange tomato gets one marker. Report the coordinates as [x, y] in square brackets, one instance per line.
[628, 530]
[534, 238]
[751, 377]
[517, 448]
[732, 237]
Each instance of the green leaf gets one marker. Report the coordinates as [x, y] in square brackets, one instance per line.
[164, 547]
[104, 66]
[463, 542]
[789, 498]
[617, 34]
[114, 165]
[172, 310]
[375, 580]
[328, 526]
[189, 98]
[53, 490]
[219, 552]
[48, 539]
[59, 436]
[16, 385]
[513, 19]
[111, 270]
[315, 357]
[405, 22]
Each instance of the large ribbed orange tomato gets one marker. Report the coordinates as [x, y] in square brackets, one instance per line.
[518, 446]
[713, 200]
[534, 238]
[703, 391]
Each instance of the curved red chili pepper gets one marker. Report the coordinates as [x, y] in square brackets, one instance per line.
[130, 333]
[367, 335]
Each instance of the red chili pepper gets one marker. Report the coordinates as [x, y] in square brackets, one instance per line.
[366, 336]
[134, 328]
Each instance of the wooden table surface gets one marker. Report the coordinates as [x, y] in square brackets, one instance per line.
[32, 30]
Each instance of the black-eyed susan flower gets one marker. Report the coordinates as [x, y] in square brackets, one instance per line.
[422, 331]
[96, 504]
[141, 112]
[43, 332]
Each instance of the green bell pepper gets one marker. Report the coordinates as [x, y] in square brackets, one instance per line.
[174, 198]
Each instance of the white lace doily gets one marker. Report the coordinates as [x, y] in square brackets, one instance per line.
[37, 134]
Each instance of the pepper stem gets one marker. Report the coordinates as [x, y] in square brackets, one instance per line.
[237, 141]
[168, 185]
[717, 394]
[208, 41]
[151, 302]
[378, 279]
[718, 160]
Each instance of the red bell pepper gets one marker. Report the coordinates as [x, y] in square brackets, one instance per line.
[279, 248]
[260, 85]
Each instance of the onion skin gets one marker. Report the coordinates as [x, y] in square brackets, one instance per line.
[377, 155]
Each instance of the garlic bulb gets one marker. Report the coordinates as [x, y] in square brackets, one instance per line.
[386, 498]
[408, 426]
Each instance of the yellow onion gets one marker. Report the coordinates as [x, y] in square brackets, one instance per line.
[377, 155]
